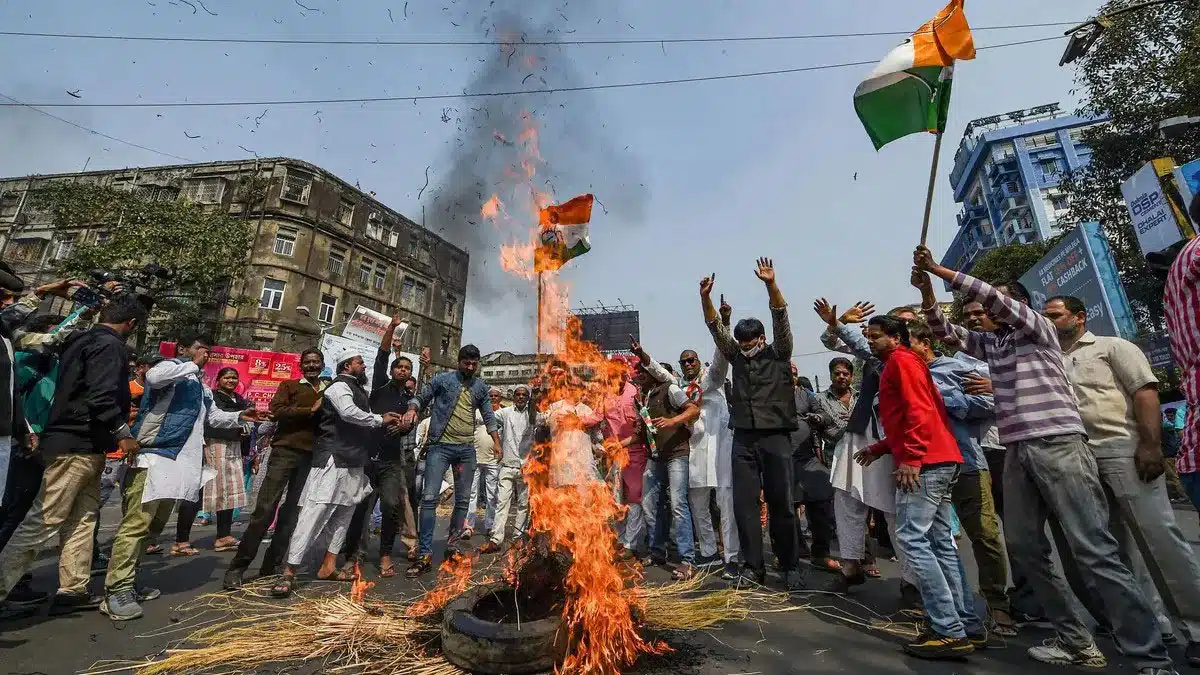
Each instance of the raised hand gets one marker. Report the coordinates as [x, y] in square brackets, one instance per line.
[858, 312]
[826, 311]
[725, 309]
[920, 279]
[765, 271]
[635, 347]
[923, 259]
[707, 283]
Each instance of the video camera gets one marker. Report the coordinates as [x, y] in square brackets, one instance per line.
[105, 284]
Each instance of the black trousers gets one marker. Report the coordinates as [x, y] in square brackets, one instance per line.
[187, 516]
[762, 463]
[822, 526]
[21, 489]
[287, 471]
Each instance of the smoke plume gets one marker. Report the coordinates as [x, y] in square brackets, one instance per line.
[578, 154]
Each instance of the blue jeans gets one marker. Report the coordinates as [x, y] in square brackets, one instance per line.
[439, 457]
[923, 534]
[1191, 485]
[674, 474]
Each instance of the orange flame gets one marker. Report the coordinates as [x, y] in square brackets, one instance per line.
[358, 587]
[454, 575]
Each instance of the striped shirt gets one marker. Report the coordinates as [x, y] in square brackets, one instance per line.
[1034, 398]
[1181, 304]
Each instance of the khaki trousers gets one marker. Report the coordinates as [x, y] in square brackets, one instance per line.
[67, 506]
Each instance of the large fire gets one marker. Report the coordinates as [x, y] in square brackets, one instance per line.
[571, 504]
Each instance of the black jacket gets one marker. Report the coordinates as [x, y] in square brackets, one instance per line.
[91, 395]
[763, 392]
[349, 444]
[229, 403]
[387, 396]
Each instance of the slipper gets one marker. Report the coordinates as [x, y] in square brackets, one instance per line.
[387, 572]
[183, 551]
[340, 576]
[232, 545]
[872, 572]
[284, 588]
[154, 549]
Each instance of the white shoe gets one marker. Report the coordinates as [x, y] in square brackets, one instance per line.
[1056, 652]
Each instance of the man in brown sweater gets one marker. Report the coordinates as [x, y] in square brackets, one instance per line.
[293, 409]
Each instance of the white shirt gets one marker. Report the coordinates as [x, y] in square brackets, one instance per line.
[342, 398]
[516, 435]
[181, 478]
[710, 462]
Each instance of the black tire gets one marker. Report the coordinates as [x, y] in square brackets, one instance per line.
[480, 646]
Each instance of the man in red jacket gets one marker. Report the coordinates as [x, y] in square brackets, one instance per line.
[917, 434]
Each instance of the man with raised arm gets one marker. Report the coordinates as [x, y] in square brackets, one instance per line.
[1048, 473]
[763, 412]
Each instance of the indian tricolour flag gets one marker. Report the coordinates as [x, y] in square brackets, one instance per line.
[563, 233]
[909, 91]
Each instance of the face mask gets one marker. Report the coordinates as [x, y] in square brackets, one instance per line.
[753, 351]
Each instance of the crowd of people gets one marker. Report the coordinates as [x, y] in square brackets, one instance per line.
[1010, 428]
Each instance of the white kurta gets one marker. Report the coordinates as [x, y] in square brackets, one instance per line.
[710, 462]
[571, 458]
[874, 485]
[181, 478]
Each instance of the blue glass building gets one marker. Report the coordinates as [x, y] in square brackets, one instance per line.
[1006, 175]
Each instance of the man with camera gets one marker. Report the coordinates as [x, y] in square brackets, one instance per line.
[87, 418]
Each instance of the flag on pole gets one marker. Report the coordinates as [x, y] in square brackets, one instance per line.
[909, 91]
[564, 232]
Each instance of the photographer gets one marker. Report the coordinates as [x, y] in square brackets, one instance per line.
[87, 418]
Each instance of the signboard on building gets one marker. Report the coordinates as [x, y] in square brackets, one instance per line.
[1082, 266]
[610, 331]
[1153, 218]
[259, 372]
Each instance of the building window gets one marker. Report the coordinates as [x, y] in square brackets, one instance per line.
[1076, 135]
[297, 185]
[345, 214]
[65, 246]
[336, 262]
[445, 345]
[101, 237]
[285, 242]
[374, 229]
[10, 203]
[364, 273]
[327, 309]
[204, 190]
[26, 250]
[412, 337]
[272, 294]
[1060, 202]
[1041, 140]
[1049, 166]
[413, 295]
[450, 305]
[1002, 151]
[380, 277]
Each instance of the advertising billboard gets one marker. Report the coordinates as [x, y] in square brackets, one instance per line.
[259, 372]
[1153, 218]
[610, 331]
[1082, 266]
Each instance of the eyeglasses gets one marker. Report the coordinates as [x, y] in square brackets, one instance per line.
[684, 362]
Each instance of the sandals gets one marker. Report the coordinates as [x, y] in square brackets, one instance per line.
[826, 564]
[871, 571]
[420, 566]
[387, 571]
[340, 576]
[284, 588]
[154, 549]
[183, 550]
[230, 544]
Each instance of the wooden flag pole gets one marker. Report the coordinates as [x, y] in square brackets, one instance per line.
[937, 151]
[538, 339]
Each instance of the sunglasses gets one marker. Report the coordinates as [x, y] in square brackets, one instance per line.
[684, 362]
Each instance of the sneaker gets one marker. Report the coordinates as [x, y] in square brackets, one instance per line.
[489, 547]
[23, 595]
[122, 606]
[978, 640]
[753, 576]
[69, 603]
[145, 594]
[793, 579]
[930, 645]
[731, 572]
[232, 580]
[710, 563]
[1058, 653]
[420, 566]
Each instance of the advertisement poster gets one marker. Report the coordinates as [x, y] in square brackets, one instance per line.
[1082, 266]
[333, 346]
[367, 326]
[1153, 219]
[259, 372]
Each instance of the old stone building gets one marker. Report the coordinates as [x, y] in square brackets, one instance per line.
[321, 247]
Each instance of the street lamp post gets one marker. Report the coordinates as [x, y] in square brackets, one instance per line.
[1085, 34]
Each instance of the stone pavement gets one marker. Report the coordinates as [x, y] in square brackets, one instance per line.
[806, 640]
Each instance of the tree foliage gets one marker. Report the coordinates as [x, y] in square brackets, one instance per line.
[203, 249]
[1144, 69]
[1002, 264]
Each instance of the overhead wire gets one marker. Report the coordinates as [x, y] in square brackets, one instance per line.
[502, 42]
[491, 94]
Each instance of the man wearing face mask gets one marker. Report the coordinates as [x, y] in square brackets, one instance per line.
[1049, 472]
[763, 417]
[294, 409]
[1118, 401]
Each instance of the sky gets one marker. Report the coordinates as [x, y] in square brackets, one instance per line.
[693, 178]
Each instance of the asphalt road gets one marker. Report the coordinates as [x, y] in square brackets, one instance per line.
[809, 640]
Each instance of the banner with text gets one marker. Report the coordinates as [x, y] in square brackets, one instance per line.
[334, 346]
[259, 372]
[1153, 219]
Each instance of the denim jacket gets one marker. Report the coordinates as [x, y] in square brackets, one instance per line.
[441, 394]
[970, 414]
